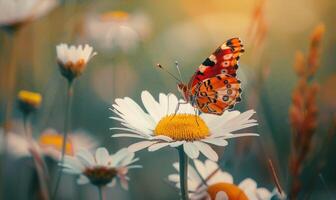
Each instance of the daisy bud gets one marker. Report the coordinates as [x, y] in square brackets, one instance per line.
[29, 101]
[72, 60]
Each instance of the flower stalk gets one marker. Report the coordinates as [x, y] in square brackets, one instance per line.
[101, 193]
[183, 163]
[65, 132]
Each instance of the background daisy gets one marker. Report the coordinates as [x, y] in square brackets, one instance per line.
[101, 168]
[208, 181]
[117, 30]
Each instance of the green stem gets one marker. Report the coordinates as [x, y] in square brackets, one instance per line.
[101, 193]
[183, 162]
[67, 118]
[65, 134]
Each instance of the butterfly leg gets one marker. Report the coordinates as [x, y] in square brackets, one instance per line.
[196, 115]
[178, 107]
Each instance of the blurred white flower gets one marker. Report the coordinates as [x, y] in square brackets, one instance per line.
[16, 12]
[160, 126]
[209, 182]
[117, 29]
[72, 60]
[49, 144]
[102, 168]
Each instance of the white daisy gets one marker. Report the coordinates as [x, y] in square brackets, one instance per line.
[16, 12]
[49, 144]
[159, 127]
[209, 182]
[102, 168]
[117, 29]
[72, 60]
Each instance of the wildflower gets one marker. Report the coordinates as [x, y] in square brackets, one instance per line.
[209, 182]
[16, 13]
[303, 111]
[162, 127]
[29, 101]
[102, 168]
[49, 144]
[72, 60]
[117, 29]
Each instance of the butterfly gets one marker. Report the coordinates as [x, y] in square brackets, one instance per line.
[214, 87]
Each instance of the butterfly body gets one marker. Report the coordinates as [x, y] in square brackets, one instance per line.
[214, 86]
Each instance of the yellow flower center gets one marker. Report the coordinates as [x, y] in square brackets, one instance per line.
[114, 16]
[56, 141]
[182, 127]
[31, 98]
[231, 190]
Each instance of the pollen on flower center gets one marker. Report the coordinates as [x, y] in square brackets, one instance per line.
[231, 190]
[100, 175]
[182, 127]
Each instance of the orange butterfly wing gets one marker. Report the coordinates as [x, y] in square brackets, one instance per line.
[224, 60]
[215, 95]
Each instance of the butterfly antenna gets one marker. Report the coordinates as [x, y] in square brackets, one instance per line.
[172, 75]
[178, 70]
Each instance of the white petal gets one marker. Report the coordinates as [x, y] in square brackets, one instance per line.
[221, 176]
[248, 184]
[132, 130]
[215, 141]
[69, 170]
[191, 150]
[157, 146]
[207, 151]
[176, 166]
[163, 137]
[133, 115]
[193, 175]
[85, 157]
[174, 178]
[263, 193]
[221, 196]
[210, 165]
[73, 163]
[116, 158]
[102, 156]
[140, 145]
[127, 135]
[82, 180]
[163, 101]
[151, 105]
[112, 183]
[177, 143]
[172, 103]
[229, 136]
[200, 168]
